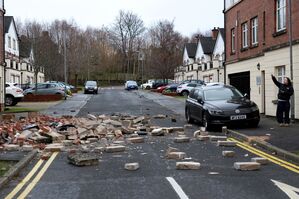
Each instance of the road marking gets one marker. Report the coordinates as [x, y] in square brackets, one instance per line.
[38, 177]
[177, 188]
[271, 158]
[292, 192]
[25, 180]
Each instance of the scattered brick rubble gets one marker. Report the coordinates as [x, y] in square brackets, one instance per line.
[86, 138]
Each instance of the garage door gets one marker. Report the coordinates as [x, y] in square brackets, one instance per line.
[241, 81]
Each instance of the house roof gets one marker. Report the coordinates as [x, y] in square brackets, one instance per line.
[191, 49]
[7, 22]
[208, 44]
[25, 47]
[222, 32]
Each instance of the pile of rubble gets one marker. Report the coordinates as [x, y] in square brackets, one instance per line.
[85, 139]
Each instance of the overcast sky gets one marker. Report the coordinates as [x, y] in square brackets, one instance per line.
[189, 15]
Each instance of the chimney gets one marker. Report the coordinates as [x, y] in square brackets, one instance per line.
[215, 33]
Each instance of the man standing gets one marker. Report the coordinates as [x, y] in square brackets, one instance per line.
[283, 105]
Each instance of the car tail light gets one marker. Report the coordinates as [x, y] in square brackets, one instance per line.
[19, 91]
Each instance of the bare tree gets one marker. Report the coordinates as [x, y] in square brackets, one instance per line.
[165, 49]
[125, 34]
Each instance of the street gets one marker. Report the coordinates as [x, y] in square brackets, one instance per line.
[157, 176]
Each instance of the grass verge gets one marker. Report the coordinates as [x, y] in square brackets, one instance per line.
[5, 166]
[19, 110]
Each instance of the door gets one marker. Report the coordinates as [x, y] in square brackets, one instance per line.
[263, 92]
[198, 106]
[241, 81]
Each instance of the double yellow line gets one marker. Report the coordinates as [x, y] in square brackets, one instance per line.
[31, 184]
[278, 161]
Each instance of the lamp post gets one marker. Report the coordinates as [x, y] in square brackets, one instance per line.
[141, 58]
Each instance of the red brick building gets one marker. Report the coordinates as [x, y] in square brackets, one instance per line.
[2, 58]
[257, 45]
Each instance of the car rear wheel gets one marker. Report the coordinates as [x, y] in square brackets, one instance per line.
[9, 100]
[185, 93]
[147, 87]
[188, 116]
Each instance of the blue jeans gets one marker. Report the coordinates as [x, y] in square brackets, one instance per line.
[283, 112]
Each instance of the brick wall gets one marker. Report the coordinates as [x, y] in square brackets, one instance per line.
[265, 10]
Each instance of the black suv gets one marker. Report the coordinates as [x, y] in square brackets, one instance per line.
[219, 104]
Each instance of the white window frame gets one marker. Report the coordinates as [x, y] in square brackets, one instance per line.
[254, 31]
[280, 15]
[281, 73]
[245, 35]
[233, 38]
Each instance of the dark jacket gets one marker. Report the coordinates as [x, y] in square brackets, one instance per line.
[285, 92]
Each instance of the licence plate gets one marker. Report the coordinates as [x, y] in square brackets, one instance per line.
[237, 117]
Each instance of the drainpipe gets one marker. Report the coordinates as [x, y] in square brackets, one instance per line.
[224, 61]
[3, 61]
[291, 58]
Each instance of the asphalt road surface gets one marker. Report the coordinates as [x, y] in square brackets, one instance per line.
[157, 177]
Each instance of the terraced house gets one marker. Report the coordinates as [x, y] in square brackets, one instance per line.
[257, 45]
[2, 57]
[203, 60]
[18, 56]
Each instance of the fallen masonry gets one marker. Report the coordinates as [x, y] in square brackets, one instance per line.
[262, 161]
[176, 155]
[226, 143]
[83, 159]
[181, 139]
[187, 165]
[115, 149]
[203, 137]
[132, 166]
[218, 138]
[136, 139]
[247, 166]
[228, 154]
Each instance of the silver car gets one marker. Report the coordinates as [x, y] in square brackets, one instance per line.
[46, 89]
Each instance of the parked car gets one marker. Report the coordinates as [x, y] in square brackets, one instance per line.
[161, 88]
[193, 81]
[68, 87]
[220, 105]
[148, 85]
[45, 89]
[171, 88]
[13, 94]
[131, 85]
[91, 87]
[184, 89]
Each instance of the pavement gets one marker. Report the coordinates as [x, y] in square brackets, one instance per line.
[157, 176]
[69, 107]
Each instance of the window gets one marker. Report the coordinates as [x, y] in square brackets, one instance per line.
[244, 35]
[254, 31]
[9, 42]
[233, 37]
[14, 44]
[280, 73]
[280, 15]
